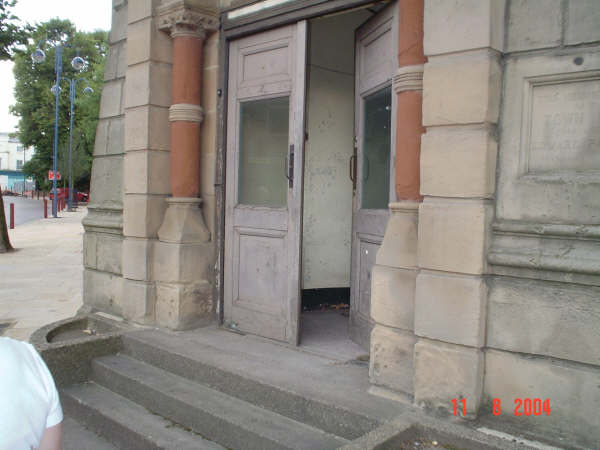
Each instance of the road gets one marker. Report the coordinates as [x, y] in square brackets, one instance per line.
[26, 209]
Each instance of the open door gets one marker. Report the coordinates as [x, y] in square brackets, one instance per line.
[265, 139]
[373, 160]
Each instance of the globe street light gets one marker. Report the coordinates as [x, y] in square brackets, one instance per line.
[78, 64]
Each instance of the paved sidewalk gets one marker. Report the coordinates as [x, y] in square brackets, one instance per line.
[41, 282]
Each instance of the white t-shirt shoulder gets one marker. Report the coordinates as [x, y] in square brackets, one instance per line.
[30, 401]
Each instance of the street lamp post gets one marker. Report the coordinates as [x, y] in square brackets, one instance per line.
[77, 63]
[72, 91]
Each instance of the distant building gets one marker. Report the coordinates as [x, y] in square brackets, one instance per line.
[13, 155]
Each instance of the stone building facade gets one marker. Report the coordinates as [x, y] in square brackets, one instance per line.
[478, 281]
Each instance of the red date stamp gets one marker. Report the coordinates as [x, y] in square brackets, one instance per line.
[522, 407]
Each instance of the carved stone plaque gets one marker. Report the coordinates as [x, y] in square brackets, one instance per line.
[564, 123]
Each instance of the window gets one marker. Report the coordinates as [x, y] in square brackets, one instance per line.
[376, 150]
[19, 164]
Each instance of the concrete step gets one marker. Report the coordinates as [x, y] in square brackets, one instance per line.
[76, 437]
[303, 387]
[124, 423]
[230, 421]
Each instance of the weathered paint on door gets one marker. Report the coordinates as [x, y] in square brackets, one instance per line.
[265, 139]
[374, 111]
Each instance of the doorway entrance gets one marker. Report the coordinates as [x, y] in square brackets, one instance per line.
[309, 172]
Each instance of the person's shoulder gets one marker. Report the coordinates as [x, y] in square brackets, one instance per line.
[14, 345]
[12, 349]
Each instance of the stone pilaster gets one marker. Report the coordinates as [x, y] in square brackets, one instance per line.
[146, 181]
[461, 98]
[184, 253]
[103, 237]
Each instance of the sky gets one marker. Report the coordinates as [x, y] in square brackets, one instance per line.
[87, 15]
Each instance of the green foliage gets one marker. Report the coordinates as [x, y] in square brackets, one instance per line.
[35, 102]
[11, 32]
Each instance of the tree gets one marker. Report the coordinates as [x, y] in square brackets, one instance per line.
[11, 35]
[35, 102]
[11, 32]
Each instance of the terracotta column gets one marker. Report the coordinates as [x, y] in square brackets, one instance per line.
[408, 86]
[188, 22]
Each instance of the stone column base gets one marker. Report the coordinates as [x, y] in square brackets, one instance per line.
[183, 261]
[393, 280]
[183, 222]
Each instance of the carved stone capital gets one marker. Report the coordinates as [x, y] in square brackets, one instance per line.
[193, 18]
[408, 78]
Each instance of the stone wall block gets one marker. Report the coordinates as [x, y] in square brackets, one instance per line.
[146, 42]
[209, 212]
[90, 243]
[145, 172]
[583, 19]
[109, 137]
[559, 320]
[148, 83]
[445, 29]
[533, 25]
[458, 162]
[183, 306]
[207, 173]
[572, 390]
[137, 259]
[210, 55]
[454, 235]
[141, 301]
[446, 371]
[462, 89]
[209, 89]
[393, 296]
[183, 263]
[111, 99]
[142, 215]
[116, 61]
[400, 241]
[108, 253]
[451, 308]
[391, 362]
[139, 41]
[103, 291]
[118, 30]
[141, 9]
[147, 128]
[106, 184]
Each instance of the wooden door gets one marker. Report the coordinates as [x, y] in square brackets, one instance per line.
[265, 138]
[375, 106]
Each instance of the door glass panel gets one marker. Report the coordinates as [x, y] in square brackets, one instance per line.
[264, 130]
[376, 150]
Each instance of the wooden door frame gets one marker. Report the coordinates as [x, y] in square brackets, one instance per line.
[285, 14]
